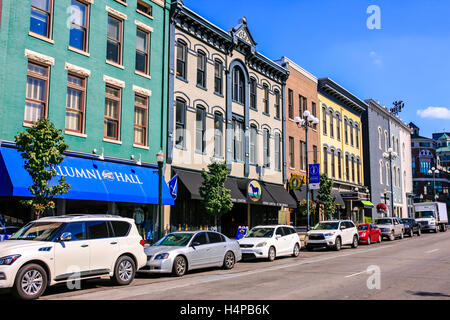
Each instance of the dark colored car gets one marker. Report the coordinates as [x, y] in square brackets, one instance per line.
[412, 227]
[7, 232]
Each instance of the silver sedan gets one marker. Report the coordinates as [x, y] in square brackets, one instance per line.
[181, 251]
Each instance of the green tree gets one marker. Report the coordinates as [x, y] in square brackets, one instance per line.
[324, 197]
[216, 198]
[42, 147]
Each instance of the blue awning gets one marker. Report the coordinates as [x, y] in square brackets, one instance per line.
[89, 180]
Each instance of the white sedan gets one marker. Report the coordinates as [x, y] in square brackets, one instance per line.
[269, 242]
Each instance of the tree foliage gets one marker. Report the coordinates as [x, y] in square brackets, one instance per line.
[324, 198]
[216, 197]
[42, 147]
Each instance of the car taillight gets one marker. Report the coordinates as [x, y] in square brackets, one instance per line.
[142, 242]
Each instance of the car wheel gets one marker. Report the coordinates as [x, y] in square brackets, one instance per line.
[419, 233]
[30, 283]
[411, 234]
[229, 261]
[296, 251]
[380, 238]
[179, 266]
[272, 254]
[338, 244]
[392, 236]
[124, 271]
[355, 242]
[402, 235]
[369, 241]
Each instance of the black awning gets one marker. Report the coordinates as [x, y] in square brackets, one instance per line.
[280, 196]
[299, 195]
[339, 201]
[193, 181]
[236, 194]
[266, 199]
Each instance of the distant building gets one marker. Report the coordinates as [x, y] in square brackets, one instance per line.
[427, 154]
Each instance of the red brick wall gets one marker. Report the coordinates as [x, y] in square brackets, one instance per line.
[300, 85]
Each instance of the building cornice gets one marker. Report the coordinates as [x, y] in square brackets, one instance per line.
[328, 86]
[385, 111]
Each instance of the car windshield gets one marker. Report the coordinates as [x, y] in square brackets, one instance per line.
[384, 221]
[363, 227]
[327, 226]
[260, 233]
[175, 240]
[38, 231]
[407, 221]
[424, 214]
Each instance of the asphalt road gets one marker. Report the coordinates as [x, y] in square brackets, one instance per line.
[417, 268]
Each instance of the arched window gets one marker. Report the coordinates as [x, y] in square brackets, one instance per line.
[333, 164]
[201, 69]
[386, 141]
[277, 151]
[180, 119]
[357, 135]
[218, 76]
[238, 85]
[387, 174]
[324, 119]
[379, 138]
[200, 127]
[396, 145]
[218, 134]
[399, 178]
[346, 130]
[351, 133]
[266, 142]
[353, 169]
[338, 126]
[358, 173]
[339, 156]
[266, 98]
[277, 104]
[347, 168]
[331, 125]
[181, 59]
[253, 144]
[325, 160]
[381, 171]
[253, 87]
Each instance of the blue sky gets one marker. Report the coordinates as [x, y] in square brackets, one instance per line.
[407, 59]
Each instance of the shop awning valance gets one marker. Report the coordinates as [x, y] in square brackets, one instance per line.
[339, 201]
[90, 179]
[193, 181]
[366, 204]
[280, 195]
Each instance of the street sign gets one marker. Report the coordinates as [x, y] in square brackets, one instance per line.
[314, 176]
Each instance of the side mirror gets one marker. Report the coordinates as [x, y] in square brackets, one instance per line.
[195, 244]
[343, 227]
[66, 236]
[277, 236]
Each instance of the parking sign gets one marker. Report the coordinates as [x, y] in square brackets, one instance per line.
[314, 176]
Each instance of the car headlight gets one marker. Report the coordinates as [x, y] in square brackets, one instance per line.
[9, 259]
[162, 256]
[262, 244]
[432, 222]
[363, 234]
[329, 234]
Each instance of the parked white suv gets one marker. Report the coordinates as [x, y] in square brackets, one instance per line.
[60, 249]
[332, 234]
[270, 242]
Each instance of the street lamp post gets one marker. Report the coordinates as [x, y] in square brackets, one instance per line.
[391, 155]
[160, 159]
[434, 172]
[308, 121]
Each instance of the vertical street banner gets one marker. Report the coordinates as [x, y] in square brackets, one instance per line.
[314, 176]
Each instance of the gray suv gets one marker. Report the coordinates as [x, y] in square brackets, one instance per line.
[391, 227]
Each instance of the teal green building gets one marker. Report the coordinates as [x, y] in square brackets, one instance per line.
[98, 70]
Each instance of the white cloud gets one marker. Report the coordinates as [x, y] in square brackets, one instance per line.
[376, 59]
[434, 112]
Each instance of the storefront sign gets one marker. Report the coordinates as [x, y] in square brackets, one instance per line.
[350, 195]
[254, 191]
[296, 182]
[242, 231]
[84, 173]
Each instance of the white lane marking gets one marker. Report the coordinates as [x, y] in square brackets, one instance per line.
[431, 251]
[355, 274]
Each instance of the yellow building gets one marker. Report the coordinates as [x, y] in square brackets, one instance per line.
[341, 144]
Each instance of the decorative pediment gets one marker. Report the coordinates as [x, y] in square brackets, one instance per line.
[241, 32]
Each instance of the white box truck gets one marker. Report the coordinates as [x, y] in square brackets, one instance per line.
[432, 216]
